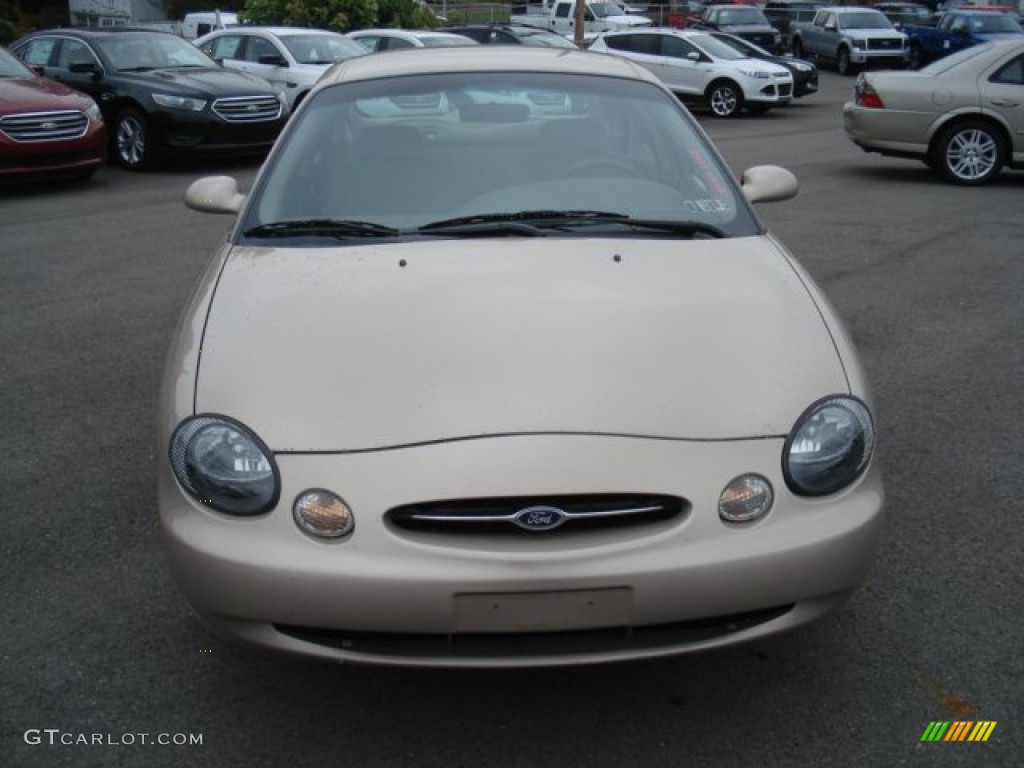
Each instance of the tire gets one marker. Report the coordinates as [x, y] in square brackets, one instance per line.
[843, 64]
[970, 152]
[916, 57]
[724, 98]
[132, 140]
[797, 48]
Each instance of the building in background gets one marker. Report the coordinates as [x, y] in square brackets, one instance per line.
[117, 13]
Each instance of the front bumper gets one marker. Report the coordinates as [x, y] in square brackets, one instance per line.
[46, 159]
[183, 131]
[390, 596]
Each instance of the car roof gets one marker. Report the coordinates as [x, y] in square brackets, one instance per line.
[498, 58]
[273, 30]
[93, 32]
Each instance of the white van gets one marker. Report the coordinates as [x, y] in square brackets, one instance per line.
[199, 24]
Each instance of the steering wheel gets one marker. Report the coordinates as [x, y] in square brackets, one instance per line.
[590, 167]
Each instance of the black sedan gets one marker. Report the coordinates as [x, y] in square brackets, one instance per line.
[805, 74]
[159, 93]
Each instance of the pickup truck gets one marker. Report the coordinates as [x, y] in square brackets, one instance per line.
[850, 36]
[560, 16]
[956, 30]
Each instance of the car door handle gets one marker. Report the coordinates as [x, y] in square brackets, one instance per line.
[1004, 103]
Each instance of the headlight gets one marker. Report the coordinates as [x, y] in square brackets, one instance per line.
[829, 446]
[758, 73]
[94, 114]
[179, 102]
[800, 67]
[859, 44]
[221, 463]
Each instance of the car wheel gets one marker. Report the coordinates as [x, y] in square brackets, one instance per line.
[132, 140]
[916, 57]
[724, 98]
[843, 64]
[797, 49]
[969, 152]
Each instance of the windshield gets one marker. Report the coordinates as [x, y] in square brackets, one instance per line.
[11, 67]
[446, 41]
[865, 20]
[716, 48]
[403, 153]
[602, 10]
[542, 39]
[321, 49]
[131, 52]
[737, 16]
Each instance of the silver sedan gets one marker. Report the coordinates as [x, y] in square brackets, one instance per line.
[963, 115]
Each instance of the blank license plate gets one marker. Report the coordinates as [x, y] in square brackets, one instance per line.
[543, 611]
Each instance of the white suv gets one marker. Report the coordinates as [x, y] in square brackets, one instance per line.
[696, 67]
[291, 58]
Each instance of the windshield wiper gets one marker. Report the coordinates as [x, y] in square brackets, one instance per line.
[322, 228]
[532, 222]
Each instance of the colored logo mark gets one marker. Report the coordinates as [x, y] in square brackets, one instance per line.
[960, 730]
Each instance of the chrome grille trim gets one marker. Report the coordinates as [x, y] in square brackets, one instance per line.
[44, 126]
[248, 109]
[504, 515]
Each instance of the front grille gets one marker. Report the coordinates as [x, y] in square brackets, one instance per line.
[248, 109]
[785, 89]
[884, 44]
[536, 515]
[44, 126]
[535, 644]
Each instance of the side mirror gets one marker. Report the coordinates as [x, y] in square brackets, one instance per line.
[273, 60]
[830, 26]
[214, 194]
[693, 56]
[39, 69]
[768, 184]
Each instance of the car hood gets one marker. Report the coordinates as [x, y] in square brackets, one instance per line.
[354, 348]
[748, 29]
[209, 81]
[37, 94]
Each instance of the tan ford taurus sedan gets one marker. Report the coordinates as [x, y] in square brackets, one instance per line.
[963, 115]
[498, 367]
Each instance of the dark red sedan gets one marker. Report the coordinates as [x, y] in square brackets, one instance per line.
[46, 129]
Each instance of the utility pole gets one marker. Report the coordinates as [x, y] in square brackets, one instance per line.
[579, 22]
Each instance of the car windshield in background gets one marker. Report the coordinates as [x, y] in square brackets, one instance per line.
[445, 41]
[603, 10]
[864, 21]
[11, 67]
[542, 39]
[128, 52]
[545, 153]
[321, 49]
[716, 48]
[735, 17]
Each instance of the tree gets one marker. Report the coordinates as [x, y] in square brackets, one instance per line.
[339, 15]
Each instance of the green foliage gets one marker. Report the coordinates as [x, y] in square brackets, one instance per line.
[339, 15]
[405, 13]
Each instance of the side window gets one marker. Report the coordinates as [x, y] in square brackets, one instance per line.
[1010, 74]
[504, 38]
[203, 29]
[37, 52]
[394, 43]
[677, 48]
[562, 11]
[959, 25]
[226, 47]
[74, 52]
[257, 47]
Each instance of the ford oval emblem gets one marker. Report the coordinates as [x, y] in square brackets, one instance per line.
[49, 126]
[539, 518]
